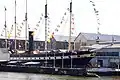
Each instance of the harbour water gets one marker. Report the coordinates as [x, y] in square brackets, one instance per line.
[29, 76]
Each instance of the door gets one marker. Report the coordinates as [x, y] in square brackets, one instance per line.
[100, 63]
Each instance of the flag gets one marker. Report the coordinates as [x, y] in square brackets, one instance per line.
[48, 40]
[38, 21]
[63, 18]
[52, 35]
[35, 28]
[72, 18]
[68, 9]
[48, 31]
[56, 30]
[37, 25]
[23, 20]
[72, 28]
[9, 35]
[5, 8]
[48, 20]
[22, 23]
[93, 4]
[33, 33]
[40, 18]
[91, 1]
[72, 15]
[65, 13]
[42, 14]
[61, 22]
[58, 25]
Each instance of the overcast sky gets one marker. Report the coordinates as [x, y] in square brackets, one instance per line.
[84, 16]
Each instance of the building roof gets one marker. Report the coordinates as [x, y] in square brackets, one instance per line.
[64, 38]
[61, 38]
[102, 37]
[96, 47]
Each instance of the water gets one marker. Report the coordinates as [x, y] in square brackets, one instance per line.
[26, 76]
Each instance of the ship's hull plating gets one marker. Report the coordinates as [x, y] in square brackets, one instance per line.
[57, 59]
[56, 63]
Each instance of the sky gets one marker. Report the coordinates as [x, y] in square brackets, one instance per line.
[84, 16]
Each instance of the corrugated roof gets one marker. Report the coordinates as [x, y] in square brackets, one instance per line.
[103, 37]
[103, 46]
[64, 38]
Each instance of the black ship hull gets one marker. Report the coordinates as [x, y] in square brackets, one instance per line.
[108, 73]
[61, 63]
[58, 59]
[43, 70]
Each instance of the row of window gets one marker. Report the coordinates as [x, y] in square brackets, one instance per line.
[107, 53]
[20, 44]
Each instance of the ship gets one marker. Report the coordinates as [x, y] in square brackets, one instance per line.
[57, 58]
[69, 62]
[52, 62]
[56, 62]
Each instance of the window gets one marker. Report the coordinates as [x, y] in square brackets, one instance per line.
[83, 44]
[108, 54]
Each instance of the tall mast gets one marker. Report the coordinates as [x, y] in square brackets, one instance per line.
[15, 25]
[46, 31]
[5, 29]
[26, 28]
[46, 25]
[69, 46]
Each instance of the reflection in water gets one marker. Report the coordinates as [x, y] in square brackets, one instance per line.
[26, 76]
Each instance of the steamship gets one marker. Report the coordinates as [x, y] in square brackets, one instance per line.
[76, 59]
[50, 62]
[53, 62]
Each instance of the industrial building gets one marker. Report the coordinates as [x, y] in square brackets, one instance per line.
[57, 42]
[88, 39]
[107, 48]
[108, 55]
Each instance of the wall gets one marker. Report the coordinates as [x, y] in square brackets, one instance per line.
[80, 41]
[5, 55]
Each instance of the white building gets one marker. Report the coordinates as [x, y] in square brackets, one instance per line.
[107, 54]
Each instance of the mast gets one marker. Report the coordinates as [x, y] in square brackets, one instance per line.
[15, 25]
[46, 25]
[70, 33]
[26, 28]
[46, 31]
[5, 29]
[69, 46]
